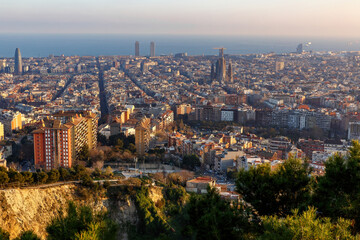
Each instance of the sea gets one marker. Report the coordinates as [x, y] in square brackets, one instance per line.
[43, 45]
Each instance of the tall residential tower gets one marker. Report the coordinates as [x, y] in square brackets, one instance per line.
[137, 49]
[152, 49]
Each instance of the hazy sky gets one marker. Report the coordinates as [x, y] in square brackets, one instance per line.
[336, 18]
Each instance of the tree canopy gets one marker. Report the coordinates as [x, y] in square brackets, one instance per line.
[277, 191]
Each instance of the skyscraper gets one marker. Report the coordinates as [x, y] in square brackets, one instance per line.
[212, 72]
[152, 49]
[299, 48]
[18, 62]
[137, 49]
[229, 74]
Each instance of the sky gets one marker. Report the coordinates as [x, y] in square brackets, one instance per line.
[322, 18]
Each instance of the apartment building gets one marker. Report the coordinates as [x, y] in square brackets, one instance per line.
[60, 139]
[142, 136]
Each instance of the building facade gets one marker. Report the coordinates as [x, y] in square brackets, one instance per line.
[59, 141]
[142, 136]
[152, 49]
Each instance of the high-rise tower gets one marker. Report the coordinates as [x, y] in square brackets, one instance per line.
[229, 74]
[137, 49]
[299, 48]
[212, 72]
[18, 62]
[152, 49]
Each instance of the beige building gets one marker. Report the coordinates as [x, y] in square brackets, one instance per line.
[279, 66]
[200, 184]
[11, 121]
[1, 131]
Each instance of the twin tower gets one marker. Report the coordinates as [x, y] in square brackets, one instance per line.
[137, 49]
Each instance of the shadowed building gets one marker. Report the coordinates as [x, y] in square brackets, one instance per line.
[137, 49]
[18, 62]
[221, 70]
[152, 49]
[299, 48]
[212, 72]
[142, 136]
[229, 74]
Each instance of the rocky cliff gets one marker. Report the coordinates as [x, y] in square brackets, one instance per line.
[33, 209]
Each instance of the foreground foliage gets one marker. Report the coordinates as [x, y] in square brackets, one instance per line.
[276, 192]
[306, 225]
[80, 222]
[151, 222]
[338, 191]
[213, 218]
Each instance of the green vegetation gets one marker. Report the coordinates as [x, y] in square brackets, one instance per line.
[276, 192]
[293, 134]
[151, 222]
[305, 226]
[338, 192]
[4, 235]
[118, 148]
[12, 178]
[279, 204]
[28, 235]
[210, 217]
[80, 222]
[191, 162]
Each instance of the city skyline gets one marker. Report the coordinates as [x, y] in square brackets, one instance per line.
[276, 18]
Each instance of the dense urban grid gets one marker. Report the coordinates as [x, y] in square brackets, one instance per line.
[239, 110]
[237, 122]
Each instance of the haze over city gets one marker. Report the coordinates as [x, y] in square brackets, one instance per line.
[333, 18]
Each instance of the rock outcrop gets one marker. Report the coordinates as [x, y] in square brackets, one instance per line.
[34, 208]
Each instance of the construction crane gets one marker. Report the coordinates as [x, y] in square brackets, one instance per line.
[221, 51]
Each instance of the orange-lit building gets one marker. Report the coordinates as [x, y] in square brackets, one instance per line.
[53, 145]
[58, 141]
[16, 122]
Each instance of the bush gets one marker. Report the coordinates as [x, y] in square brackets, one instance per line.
[87, 181]
[64, 174]
[4, 178]
[28, 177]
[15, 176]
[54, 176]
[4, 235]
[41, 177]
[305, 226]
[106, 184]
[81, 223]
[28, 235]
[151, 222]
[191, 162]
